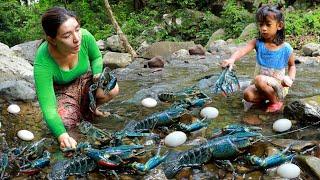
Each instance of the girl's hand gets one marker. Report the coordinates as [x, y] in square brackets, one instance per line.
[287, 81]
[226, 63]
[66, 141]
[96, 77]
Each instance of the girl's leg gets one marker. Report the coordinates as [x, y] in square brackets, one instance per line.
[251, 94]
[268, 86]
[265, 89]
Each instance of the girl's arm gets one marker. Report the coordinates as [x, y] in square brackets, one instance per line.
[288, 80]
[239, 53]
[292, 67]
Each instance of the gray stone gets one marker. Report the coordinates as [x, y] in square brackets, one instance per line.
[13, 67]
[165, 48]
[310, 48]
[313, 163]
[17, 90]
[219, 34]
[116, 60]
[27, 50]
[249, 32]
[102, 45]
[114, 44]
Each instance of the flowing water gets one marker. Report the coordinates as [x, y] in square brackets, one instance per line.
[136, 83]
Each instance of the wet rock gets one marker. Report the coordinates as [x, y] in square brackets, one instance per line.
[310, 48]
[184, 173]
[297, 145]
[156, 62]
[270, 150]
[197, 50]
[303, 112]
[252, 120]
[254, 175]
[307, 60]
[155, 174]
[312, 163]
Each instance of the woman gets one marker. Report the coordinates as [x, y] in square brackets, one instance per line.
[61, 73]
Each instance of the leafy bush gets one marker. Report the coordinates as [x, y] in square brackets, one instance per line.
[235, 19]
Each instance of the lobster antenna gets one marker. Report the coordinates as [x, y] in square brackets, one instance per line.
[289, 132]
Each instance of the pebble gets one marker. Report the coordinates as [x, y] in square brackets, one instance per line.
[175, 139]
[25, 135]
[149, 102]
[209, 112]
[282, 125]
[14, 109]
[288, 170]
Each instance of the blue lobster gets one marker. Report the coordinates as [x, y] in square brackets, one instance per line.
[226, 82]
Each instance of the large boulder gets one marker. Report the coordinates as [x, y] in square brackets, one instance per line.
[303, 112]
[13, 67]
[17, 90]
[114, 44]
[27, 50]
[249, 32]
[117, 60]
[165, 48]
[218, 34]
[311, 49]
[16, 76]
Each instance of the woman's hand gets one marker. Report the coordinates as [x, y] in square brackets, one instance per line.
[227, 62]
[66, 141]
[96, 77]
[286, 81]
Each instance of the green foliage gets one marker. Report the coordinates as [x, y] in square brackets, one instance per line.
[299, 23]
[21, 23]
[235, 19]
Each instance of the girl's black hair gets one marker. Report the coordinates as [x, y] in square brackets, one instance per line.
[53, 18]
[261, 16]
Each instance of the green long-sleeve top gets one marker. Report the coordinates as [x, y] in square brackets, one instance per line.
[47, 72]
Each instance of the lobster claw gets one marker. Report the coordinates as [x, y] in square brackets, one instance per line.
[35, 166]
[107, 81]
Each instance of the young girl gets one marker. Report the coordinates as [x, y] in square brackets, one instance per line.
[273, 55]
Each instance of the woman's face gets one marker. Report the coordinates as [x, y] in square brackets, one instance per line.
[68, 37]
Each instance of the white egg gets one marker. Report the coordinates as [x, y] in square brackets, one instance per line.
[149, 102]
[209, 112]
[25, 135]
[288, 170]
[13, 108]
[282, 125]
[175, 138]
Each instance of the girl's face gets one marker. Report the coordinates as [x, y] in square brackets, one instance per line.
[268, 29]
[68, 37]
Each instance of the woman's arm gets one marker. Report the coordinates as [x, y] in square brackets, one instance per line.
[94, 53]
[47, 99]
